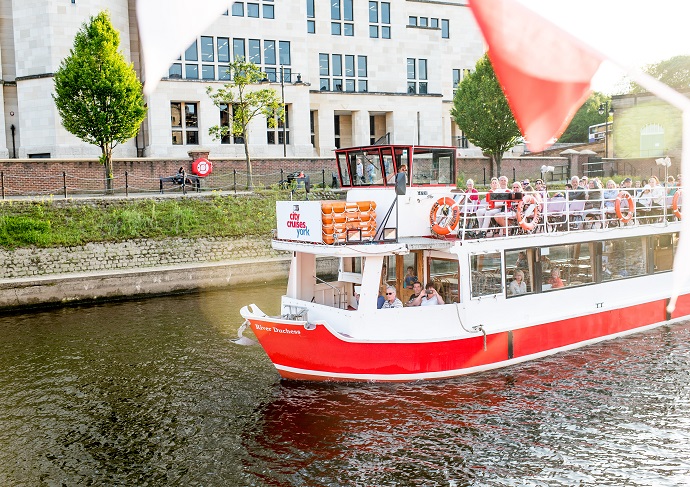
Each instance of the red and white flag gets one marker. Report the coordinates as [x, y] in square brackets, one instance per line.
[545, 72]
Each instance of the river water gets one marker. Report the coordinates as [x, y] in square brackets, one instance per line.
[152, 392]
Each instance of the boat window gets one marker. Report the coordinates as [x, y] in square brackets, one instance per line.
[341, 160]
[566, 266]
[433, 166]
[372, 169]
[519, 269]
[625, 257]
[664, 248]
[443, 273]
[486, 274]
[388, 167]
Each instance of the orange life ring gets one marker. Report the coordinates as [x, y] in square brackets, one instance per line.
[676, 200]
[522, 218]
[631, 206]
[446, 222]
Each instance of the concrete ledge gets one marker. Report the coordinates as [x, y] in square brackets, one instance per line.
[60, 289]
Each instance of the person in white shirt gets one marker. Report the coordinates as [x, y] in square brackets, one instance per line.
[431, 297]
[391, 300]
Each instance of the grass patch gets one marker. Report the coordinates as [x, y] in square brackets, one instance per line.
[58, 223]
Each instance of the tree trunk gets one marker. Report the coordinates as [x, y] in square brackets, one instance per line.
[250, 181]
[107, 159]
[498, 158]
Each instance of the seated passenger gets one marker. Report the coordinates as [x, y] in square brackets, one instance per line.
[594, 195]
[517, 285]
[410, 278]
[652, 194]
[472, 192]
[610, 194]
[502, 218]
[431, 297]
[555, 279]
[391, 300]
[521, 262]
[416, 298]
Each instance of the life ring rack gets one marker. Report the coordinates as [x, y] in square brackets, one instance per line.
[624, 195]
[522, 218]
[444, 216]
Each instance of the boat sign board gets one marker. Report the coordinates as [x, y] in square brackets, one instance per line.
[299, 220]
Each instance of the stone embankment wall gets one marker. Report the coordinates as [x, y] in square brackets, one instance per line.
[133, 254]
[138, 268]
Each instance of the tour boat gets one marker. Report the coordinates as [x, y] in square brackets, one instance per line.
[591, 272]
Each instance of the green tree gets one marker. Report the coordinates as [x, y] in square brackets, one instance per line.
[481, 111]
[243, 104]
[97, 92]
[588, 114]
[674, 72]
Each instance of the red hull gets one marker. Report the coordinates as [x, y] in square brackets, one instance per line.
[317, 354]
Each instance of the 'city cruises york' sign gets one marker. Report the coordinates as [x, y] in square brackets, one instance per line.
[299, 220]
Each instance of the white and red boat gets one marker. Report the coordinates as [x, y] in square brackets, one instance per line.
[614, 264]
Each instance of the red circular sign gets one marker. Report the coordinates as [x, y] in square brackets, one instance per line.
[202, 167]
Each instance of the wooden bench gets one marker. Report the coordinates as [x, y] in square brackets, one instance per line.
[184, 182]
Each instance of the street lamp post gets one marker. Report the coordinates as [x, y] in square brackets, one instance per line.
[282, 98]
[608, 110]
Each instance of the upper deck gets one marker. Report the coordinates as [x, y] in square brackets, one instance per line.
[427, 217]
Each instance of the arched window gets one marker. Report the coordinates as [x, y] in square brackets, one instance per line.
[652, 140]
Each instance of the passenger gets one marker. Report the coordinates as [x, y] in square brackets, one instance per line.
[637, 185]
[502, 218]
[517, 285]
[410, 278]
[652, 195]
[578, 191]
[540, 188]
[484, 214]
[416, 298]
[555, 279]
[594, 195]
[472, 192]
[431, 297]
[360, 172]
[391, 300]
[610, 194]
[671, 186]
[521, 262]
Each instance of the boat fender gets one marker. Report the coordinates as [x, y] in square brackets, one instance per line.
[624, 195]
[444, 216]
[676, 201]
[522, 215]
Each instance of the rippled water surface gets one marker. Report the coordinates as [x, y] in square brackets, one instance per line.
[153, 393]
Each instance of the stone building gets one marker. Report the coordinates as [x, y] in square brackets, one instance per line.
[353, 71]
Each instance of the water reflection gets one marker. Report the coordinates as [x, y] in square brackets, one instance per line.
[153, 393]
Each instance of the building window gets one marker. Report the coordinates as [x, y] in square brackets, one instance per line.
[652, 140]
[417, 76]
[238, 9]
[275, 135]
[458, 76]
[312, 126]
[267, 8]
[379, 20]
[343, 72]
[412, 22]
[342, 18]
[311, 23]
[253, 10]
[445, 28]
[184, 120]
[336, 130]
[225, 121]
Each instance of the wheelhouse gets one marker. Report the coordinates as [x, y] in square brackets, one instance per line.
[377, 165]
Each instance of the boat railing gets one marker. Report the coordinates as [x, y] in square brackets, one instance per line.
[339, 295]
[561, 211]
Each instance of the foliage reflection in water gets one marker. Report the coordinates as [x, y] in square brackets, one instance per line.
[153, 392]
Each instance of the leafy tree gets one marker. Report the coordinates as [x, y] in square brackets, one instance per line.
[244, 105]
[588, 114]
[97, 92]
[481, 111]
[674, 72]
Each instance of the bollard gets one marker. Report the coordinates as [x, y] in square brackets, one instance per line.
[64, 183]
[323, 178]
[514, 175]
[282, 178]
[184, 182]
[2, 183]
[126, 184]
[234, 179]
[484, 169]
